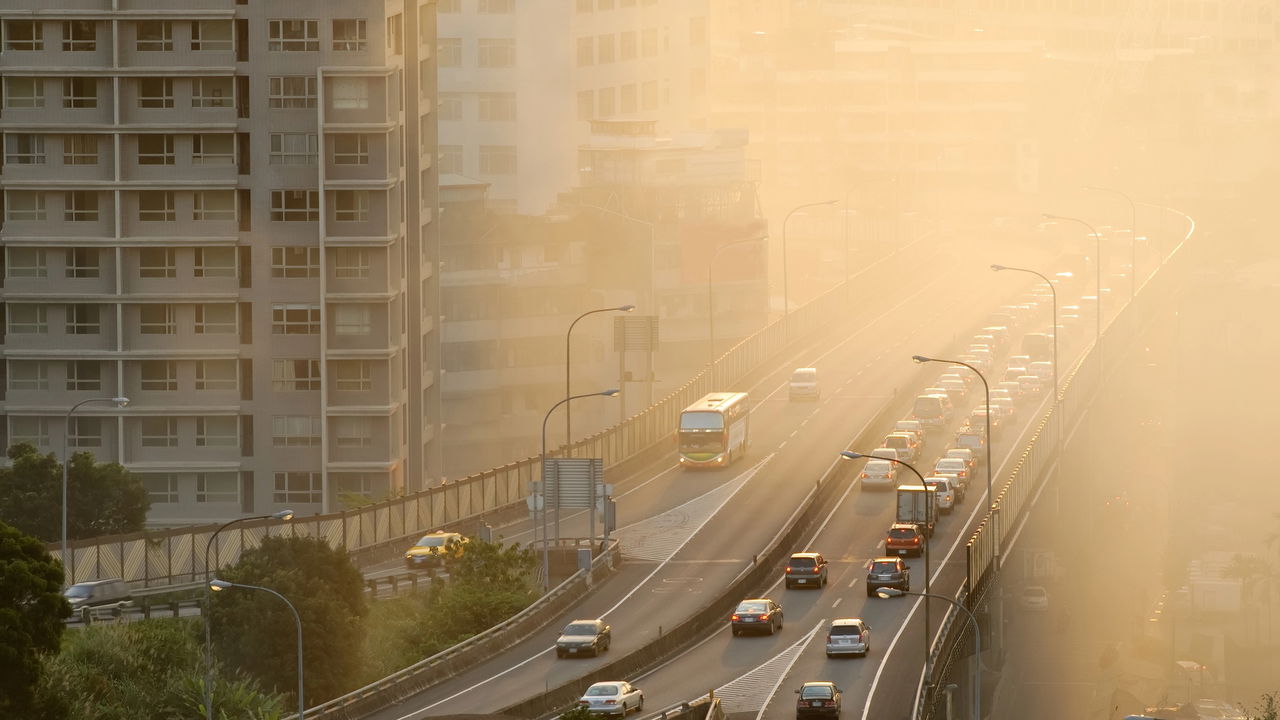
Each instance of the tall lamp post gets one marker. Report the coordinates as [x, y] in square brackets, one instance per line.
[851, 455]
[786, 294]
[217, 585]
[987, 389]
[711, 307]
[568, 427]
[1133, 236]
[546, 499]
[1054, 292]
[208, 572]
[1097, 268]
[119, 402]
[888, 592]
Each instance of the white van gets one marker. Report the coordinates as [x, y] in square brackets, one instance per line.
[929, 411]
[804, 384]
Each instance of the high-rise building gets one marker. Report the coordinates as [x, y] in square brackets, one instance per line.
[223, 210]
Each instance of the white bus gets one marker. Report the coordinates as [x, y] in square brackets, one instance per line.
[713, 431]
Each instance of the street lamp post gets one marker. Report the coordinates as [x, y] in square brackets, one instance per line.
[119, 402]
[546, 499]
[786, 295]
[851, 455]
[1097, 269]
[977, 640]
[1054, 293]
[987, 389]
[208, 604]
[216, 585]
[1133, 236]
[568, 426]
[711, 307]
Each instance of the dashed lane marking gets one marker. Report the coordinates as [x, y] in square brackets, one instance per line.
[752, 690]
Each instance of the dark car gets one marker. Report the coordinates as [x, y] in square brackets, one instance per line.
[905, 539]
[888, 572]
[97, 593]
[584, 637]
[756, 615]
[818, 699]
[809, 569]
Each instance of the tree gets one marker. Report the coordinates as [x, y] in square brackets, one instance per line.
[102, 498]
[254, 631]
[1269, 707]
[31, 613]
[492, 565]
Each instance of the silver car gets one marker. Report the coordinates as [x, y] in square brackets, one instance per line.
[848, 636]
[612, 698]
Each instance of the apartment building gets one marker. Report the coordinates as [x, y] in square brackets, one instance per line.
[224, 211]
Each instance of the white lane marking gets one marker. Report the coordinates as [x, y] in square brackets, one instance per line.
[787, 670]
[753, 689]
[748, 474]
[836, 603]
[853, 582]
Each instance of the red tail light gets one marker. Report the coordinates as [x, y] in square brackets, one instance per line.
[610, 702]
[788, 569]
[830, 703]
[764, 617]
[734, 617]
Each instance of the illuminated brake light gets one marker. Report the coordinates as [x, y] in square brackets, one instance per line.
[735, 617]
[764, 617]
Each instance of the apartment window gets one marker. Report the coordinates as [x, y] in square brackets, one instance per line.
[627, 45]
[352, 432]
[217, 487]
[211, 93]
[293, 91]
[498, 159]
[155, 92]
[298, 487]
[85, 432]
[350, 93]
[605, 49]
[350, 35]
[20, 149]
[155, 35]
[294, 374]
[586, 51]
[214, 205]
[293, 148]
[350, 205]
[293, 35]
[211, 36]
[295, 205]
[498, 106]
[295, 262]
[157, 319]
[586, 104]
[159, 375]
[216, 375]
[79, 92]
[156, 206]
[28, 319]
[497, 52]
[395, 34]
[25, 205]
[352, 375]
[155, 150]
[82, 263]
[23, 92]
[84, 375]
[23, 35]
[449, 52]
[80, 206]
[26, 262]
[649, 42]
[156, 263]
[34, 430]
[215, 262]
[451, 159]
[350, 263]
[295, 319]
[295, 431]
[605, 97]
[162, 488]
[450, 106]
[216, 319]
[350, 149]
[217, 431]
[84, 319]
[352, 320]
[219, 149]
[649, 95]
[159, 431]
[80, 150]
[497, 7]
[29, 375]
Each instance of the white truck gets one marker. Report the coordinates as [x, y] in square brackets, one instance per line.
[918, 505]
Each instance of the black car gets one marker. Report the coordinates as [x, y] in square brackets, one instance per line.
[888, 572]
[808, 569]
[756, 615]
[584, 637]
[818, 699]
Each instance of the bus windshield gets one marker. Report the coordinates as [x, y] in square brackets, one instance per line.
[701, 421]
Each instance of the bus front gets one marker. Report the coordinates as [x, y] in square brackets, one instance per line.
[702, 438]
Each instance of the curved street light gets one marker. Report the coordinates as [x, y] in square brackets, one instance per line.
[1097, 268]
[1054, 293]
[568, 426]
[786, 295]
[987, 388]
[1133, 236]
[216, 585]
[119, 402]
[977, 639]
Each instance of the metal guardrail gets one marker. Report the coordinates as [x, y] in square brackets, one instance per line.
[177, 555]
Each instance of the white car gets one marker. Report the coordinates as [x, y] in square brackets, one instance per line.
[1013, 386]
[1042, 369]
[804, 384]
[968, 455]
[1004, 408]
[945, 494]
[879, 473]
[1033, 597]
[952, 466]
[848, 636]
[1031, 384]
[612, 698]
[912, 426]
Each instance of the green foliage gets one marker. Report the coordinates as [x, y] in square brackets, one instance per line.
[150, 668]
[254, 631]
[102, 498]
[577, 712]
[1269, 707]
[492, 564]
[31, 612]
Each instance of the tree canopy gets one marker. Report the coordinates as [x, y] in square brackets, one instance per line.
[31, 613]
[102, 498]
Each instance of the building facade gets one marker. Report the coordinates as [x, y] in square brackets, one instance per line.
[223, 211]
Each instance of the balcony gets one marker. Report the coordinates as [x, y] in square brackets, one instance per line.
[44, 327]
[359, 326]
[173, 327]
[45, 109]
